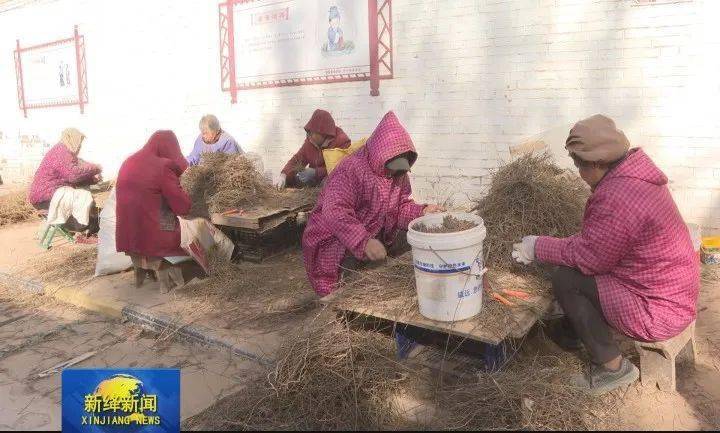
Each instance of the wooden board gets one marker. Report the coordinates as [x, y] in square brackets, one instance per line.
[521, 319]
[261, 219]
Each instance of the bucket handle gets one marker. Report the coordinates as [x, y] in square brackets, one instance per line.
[470, 274]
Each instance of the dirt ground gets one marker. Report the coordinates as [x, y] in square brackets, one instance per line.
[38, 334]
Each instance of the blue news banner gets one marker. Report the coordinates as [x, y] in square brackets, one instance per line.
[121, 400]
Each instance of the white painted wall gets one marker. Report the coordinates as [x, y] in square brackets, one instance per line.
[472, 78]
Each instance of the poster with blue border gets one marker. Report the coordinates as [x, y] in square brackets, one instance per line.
[121, 400]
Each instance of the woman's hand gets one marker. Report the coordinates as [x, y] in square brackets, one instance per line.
[375, 250]
[433, 208]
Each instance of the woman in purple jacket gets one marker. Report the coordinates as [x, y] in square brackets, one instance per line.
[212, 139]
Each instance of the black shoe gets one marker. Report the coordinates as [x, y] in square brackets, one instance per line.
[600, 380]
[562, 334]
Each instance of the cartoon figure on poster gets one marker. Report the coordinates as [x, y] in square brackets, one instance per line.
[336, 44]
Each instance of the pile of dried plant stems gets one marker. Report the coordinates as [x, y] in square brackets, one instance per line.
[529, 196]
[533, 391]
[330, 375]
[15, 208]
[327, 376]
[271, 293]
[450, 224]
[222, 182]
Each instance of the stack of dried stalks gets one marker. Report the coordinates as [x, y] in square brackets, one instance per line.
[529, 196]
[327, 377]
[15, 208]
[532, 392]
[223, 182]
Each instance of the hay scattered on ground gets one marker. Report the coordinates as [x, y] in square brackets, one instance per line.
[529, 196]
[222, 182]
[710, 273]
[330, 376]
[450, 224]
[66, 264]
[273, 293]
[531, 392]
[327, 377]
[15, 208]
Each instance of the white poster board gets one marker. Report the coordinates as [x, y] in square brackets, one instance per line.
[50, 74]
[278, 40]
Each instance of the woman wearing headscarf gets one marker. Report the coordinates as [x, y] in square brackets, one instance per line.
[307, 166]
[363, 207]
[60, 168]
[149, 199]
[631, 268]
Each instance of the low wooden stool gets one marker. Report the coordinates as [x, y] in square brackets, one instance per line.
[165, 272]
[657, 359]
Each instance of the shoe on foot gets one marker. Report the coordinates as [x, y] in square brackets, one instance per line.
[83, 239]
[601, 380]
[562, 334]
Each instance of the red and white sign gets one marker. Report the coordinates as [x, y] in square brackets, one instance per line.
[52, 74]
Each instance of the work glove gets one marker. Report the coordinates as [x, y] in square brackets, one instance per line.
[306, 176]
[524, 252]
[281, 180]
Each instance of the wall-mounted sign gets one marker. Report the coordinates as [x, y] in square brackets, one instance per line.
[52, 74]
[271, 43]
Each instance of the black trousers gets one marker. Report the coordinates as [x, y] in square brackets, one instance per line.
[578, 296]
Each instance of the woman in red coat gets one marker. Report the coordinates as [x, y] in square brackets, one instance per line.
[149, 199]
[307, 166]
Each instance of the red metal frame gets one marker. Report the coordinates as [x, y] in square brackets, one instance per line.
[79, 41]
[381, 53]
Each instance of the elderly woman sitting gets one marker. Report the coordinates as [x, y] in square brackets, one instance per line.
[631, 268]
[58, 176]
[212, 139]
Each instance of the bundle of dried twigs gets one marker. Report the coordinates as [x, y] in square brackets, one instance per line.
[15, 208]
[223, 182]
[529, 196]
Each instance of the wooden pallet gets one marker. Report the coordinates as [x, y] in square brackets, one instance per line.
[260, 232]
[522, 319]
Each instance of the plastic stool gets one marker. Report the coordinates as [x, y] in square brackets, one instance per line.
[48, 235]
[657, 359]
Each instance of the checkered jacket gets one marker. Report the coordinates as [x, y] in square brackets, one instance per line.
[360, 201]
[635, 243]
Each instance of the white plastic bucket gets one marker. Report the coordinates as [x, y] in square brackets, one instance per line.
[448, 268]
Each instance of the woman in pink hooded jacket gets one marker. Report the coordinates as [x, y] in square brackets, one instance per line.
[632, 266]
[363, 207]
